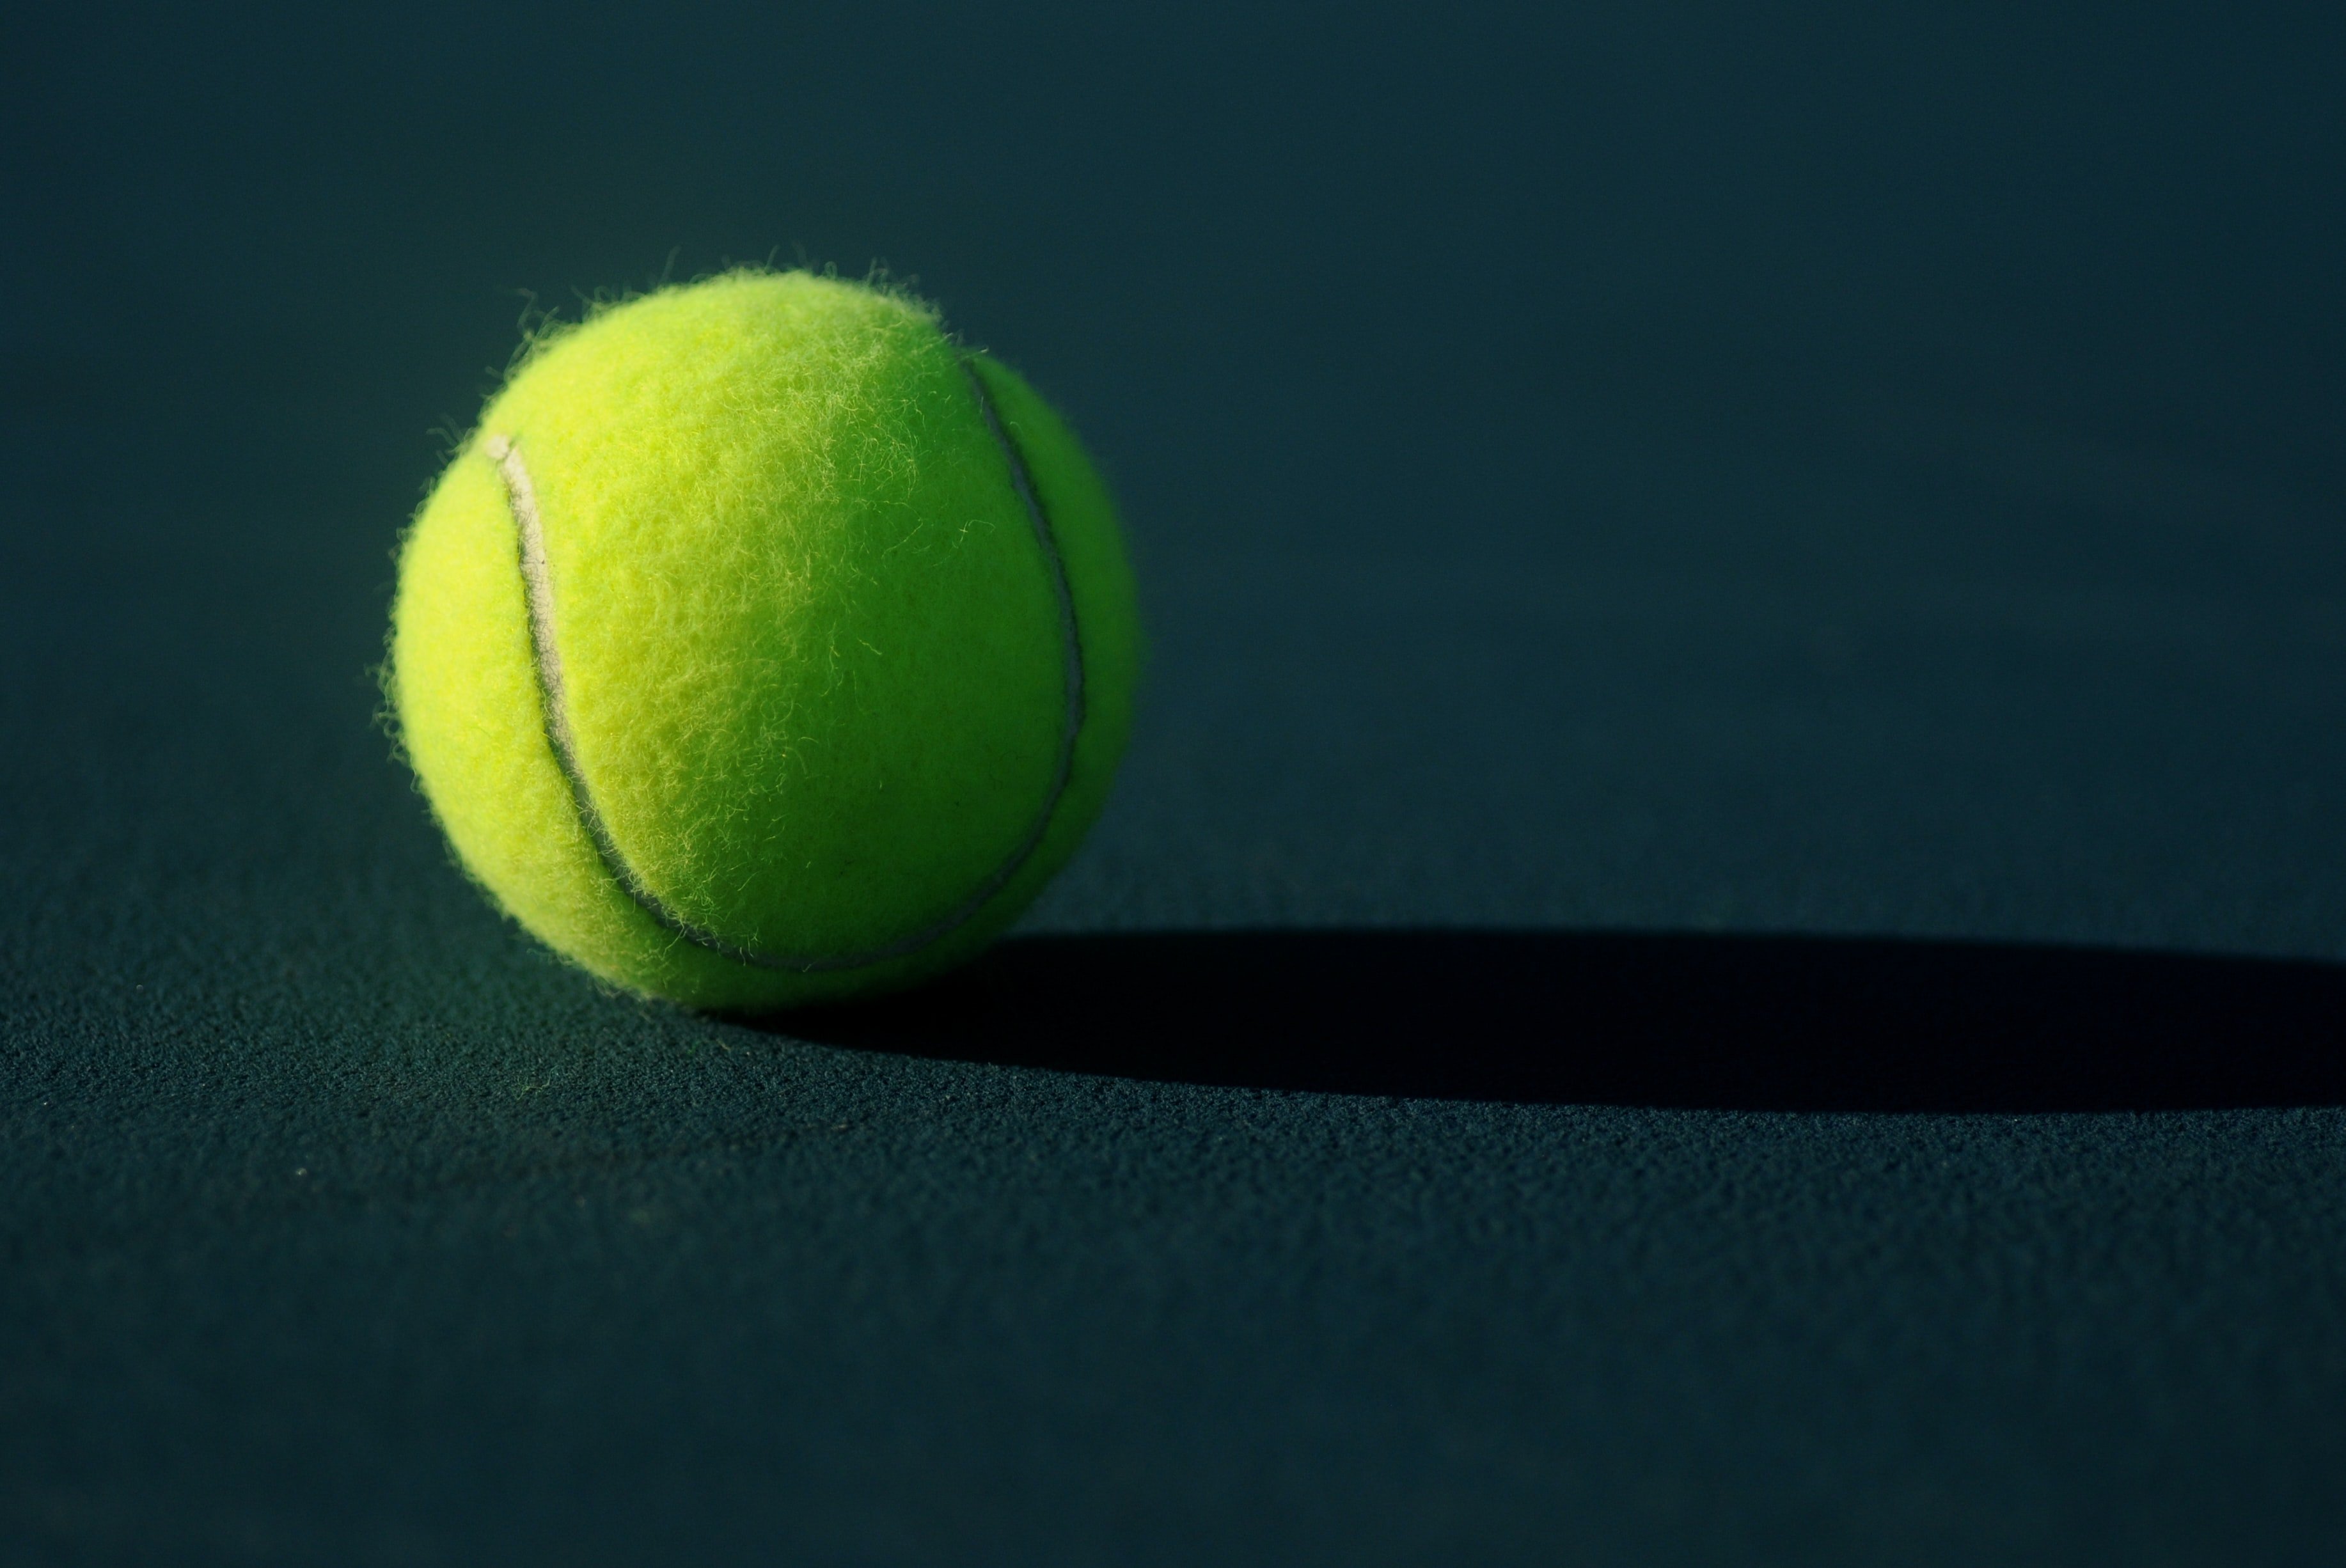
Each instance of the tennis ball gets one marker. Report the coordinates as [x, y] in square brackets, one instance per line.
[763, 645]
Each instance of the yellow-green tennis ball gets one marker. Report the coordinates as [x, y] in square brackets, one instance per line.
[763, 645]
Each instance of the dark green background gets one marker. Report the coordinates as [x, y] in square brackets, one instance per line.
[1718, 943]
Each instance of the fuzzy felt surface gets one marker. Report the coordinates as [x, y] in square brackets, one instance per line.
[813, 655]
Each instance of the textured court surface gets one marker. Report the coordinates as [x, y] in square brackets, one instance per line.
[1719, 944]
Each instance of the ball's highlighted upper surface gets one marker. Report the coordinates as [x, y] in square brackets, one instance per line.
[763, 645]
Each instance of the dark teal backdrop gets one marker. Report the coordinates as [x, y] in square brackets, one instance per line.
[1721, 942]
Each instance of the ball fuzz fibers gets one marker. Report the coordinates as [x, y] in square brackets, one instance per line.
[763, 645]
